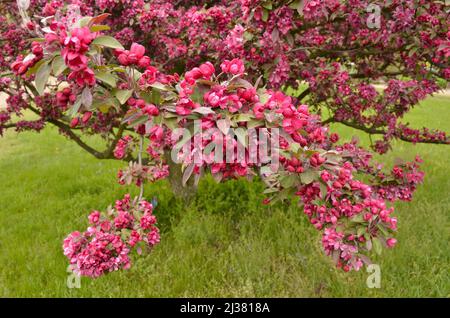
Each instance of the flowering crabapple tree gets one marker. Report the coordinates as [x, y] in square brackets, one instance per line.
[173, 87]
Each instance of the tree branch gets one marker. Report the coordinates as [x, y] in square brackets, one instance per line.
[375, 131]
[13, 125]
[107, 154]
[69, 133]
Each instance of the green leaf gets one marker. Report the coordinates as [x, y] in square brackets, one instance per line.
[131, 115]
[187, 173]
[369, 245]
[295, 147]
[265, 15]
[270, 190]
[187, 136]
[123, 95]
[42, 75]
[377, 245]
[99, 27]
[282, 195]
[75, 108]
[151, 97]
[58, 65]
[172, 123]
[361, 230]
[267, 5]
[357, 219]
[159, 86]
[108, 41]
[34, 68]
[203, 110]
[290, 39]
[107, 78]
[137, 75]
[104, 104]
[40, 40]
[239, 82]
[288, 181]
[254, 123]
[84, 21]
[86, 97]
[266, 170]
[297, 5]
[248, 36]
[155, 97]
[383, 230]
[309, 176]
[139, 121]
[243, 117]
[241, 135]
[263, 96]
[323, 189]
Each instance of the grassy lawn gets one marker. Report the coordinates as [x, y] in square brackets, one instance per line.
[224, 244]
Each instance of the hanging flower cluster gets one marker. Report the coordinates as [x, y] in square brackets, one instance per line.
[107, 243]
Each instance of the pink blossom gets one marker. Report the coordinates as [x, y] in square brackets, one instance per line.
[74, 122]
[391, 242]
[83, 77]
[105, 246]
[147, 221]
[134, 56]
[94, 217]
[122, 147]
[153, 237]
[235, 67]
[185, 106]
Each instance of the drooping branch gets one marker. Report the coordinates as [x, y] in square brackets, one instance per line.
[69, 133]
[376, 131]
[6, 126]
[107, 154]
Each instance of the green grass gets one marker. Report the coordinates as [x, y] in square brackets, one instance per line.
[224, 244]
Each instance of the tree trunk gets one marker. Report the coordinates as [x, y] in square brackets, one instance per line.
[185, 192]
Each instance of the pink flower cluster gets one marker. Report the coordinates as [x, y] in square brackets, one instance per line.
[105, 246]
[145, 108]
[96, 252]
[149, 76]
[64, 97]
[139, 174]
[302, 126]
[204, 71]
[401, 183]
[134, 56]
[347, 199]
[122, 147]
[235, 67]
[75, 46]
[22, 65]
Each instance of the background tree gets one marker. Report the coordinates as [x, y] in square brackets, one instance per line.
[332, 47]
